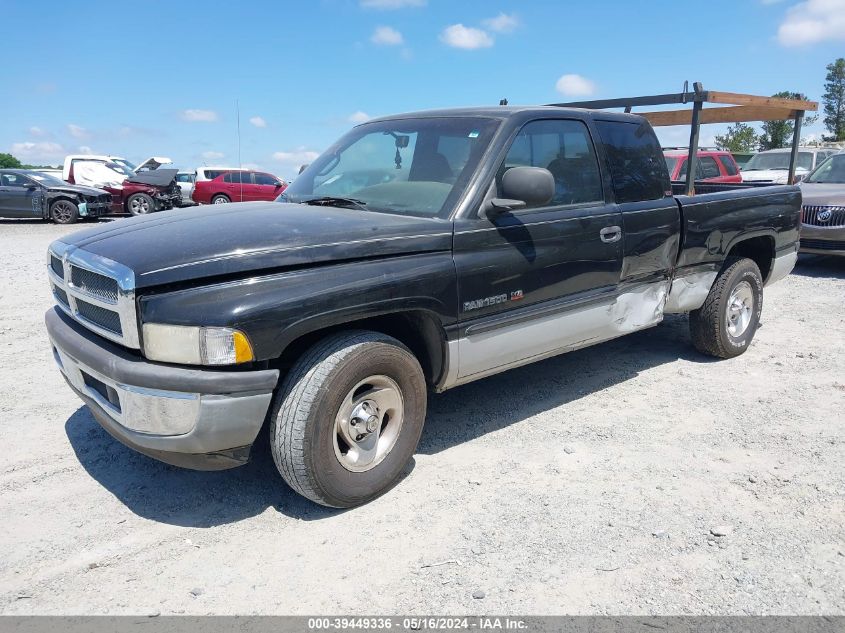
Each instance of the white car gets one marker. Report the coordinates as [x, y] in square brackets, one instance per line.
[185, 180]
[773, 164]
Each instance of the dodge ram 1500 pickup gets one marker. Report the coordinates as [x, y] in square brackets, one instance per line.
[418, 253]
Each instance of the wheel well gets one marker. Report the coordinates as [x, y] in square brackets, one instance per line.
[54, 199]
[761, 250]
[418, 330]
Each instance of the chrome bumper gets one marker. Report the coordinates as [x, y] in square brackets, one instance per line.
[202, 419]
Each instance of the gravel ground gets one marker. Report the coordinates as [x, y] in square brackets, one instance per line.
[586, 484]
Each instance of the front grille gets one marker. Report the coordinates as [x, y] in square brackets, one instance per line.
[61, 296]
[101, 317]
[824, 215]
[95, 284]
[97, 292]
[56, 265]
[824, 245]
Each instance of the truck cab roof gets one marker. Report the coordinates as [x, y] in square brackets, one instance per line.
[506, 112]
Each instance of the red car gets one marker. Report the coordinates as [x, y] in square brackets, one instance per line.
[716, 166]
[238, 186]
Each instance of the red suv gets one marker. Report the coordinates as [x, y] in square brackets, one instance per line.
[238, 186]
[715, 166]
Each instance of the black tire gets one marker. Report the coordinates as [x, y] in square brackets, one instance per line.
[140, 204]
[710, 324]
[64, 212]
[303, 434]
[220, 199]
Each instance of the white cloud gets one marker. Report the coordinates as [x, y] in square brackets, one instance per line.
[389, 5]
[84, 149]
[204, 116]
[41, 152]
[37, 131]
[211, 155]
[386, 36]
[466, 37]
[257, 121]
[813, 21]
[359, 117]
[296, 157]
[77, 131]
[575, 86]
[502, 23]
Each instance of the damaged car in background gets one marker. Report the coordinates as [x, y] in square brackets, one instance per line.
[31, 194]
[134, 190]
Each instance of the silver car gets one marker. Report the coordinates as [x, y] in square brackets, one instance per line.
[823, 215]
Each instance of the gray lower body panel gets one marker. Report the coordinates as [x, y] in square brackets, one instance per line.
[487, 351]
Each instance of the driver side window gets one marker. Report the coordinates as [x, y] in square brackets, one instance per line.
[15, 180]
[565, 148]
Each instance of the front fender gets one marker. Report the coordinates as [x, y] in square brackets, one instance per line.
[274, 310]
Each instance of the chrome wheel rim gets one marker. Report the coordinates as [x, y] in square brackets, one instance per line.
[740, 308]
[368, 423]
[139, 205]
[62, 212]
[220, 201]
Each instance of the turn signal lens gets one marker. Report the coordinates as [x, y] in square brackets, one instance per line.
[243, 350]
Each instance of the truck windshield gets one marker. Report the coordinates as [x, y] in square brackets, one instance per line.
[407, 166]
[778, 160]
[832, 170]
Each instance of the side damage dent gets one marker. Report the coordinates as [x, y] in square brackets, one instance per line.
[689, 292]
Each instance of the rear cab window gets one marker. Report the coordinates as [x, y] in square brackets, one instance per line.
[635, 161]
[729, 164]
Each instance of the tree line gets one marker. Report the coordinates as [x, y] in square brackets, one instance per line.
[743, 138]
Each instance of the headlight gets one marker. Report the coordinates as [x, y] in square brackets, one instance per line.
[196, 345]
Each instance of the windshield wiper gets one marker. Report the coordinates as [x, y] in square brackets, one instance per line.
[333, 201]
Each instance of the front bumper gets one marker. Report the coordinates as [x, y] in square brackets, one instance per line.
[823, 240]
[204, 419]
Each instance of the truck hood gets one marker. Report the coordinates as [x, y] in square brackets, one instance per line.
[247, 237]
[823, 194]
[770, 175]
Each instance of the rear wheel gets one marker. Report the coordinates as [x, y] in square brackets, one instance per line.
[220, 199]
[348, 418]
[140, 204]
[64, 212]
[725, 325]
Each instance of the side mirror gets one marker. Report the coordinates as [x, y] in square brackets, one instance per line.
[522, 187]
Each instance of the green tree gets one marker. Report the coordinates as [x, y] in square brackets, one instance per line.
[834, 100]
[779, 133]
[7, 161]
[740, 137]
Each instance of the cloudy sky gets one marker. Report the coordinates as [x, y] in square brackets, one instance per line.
[164, 80]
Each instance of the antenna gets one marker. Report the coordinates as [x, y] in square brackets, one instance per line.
[240, 171]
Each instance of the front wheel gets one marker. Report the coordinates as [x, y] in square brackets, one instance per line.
[64, 212]
[725, 325]
[348, 418]
[140, 204]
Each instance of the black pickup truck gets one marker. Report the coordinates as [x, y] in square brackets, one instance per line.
[418, 253]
